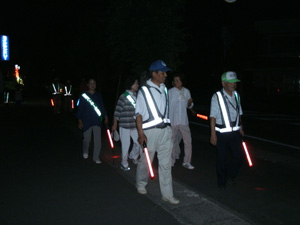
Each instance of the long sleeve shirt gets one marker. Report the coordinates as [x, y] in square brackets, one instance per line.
[87, 114]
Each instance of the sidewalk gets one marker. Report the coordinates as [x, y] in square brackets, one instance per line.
[194, 208]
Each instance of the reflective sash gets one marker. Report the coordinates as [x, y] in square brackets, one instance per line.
[130, 99]
[225, 115]
[155, 118]
[97, 110]
[68, 92]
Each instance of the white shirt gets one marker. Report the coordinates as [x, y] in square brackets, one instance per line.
[215, 110]
[178, 106]
[159, 97]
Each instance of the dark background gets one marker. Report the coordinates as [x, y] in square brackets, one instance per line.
[75, 39]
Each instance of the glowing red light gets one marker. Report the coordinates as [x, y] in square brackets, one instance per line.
[72, 104]
[202, 116]
[52, 102]
[149, 162]
[247, 154]
[110, 139]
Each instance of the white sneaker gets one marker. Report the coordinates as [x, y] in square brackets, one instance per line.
[188, 166]
[171, 200]
[85, 155]
[142, 191]
[98, 161]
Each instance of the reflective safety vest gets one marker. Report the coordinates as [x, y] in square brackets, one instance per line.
[156, 119]
[227, 125]
[95, 107]
[130, 99]
[68, 93]
[56, 91]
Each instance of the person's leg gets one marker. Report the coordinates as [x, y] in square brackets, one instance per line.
[135, 151]
[142, 171]
[97, 143]
[187, 141]
[164, 152]
[86, 141]
[175, 152]
[125, 143]
[221, 162]
[236, 153]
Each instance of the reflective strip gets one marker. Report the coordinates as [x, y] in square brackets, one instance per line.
[157, 120]
[130, 99]
[92, 104]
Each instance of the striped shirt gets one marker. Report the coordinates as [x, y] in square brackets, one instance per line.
[125, 111]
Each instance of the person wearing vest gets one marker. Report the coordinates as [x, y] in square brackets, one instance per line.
[56, 89]
[68, 97]
[180, 101]
[124, 115]
[226, 129]
[153, 125]
[90, 113]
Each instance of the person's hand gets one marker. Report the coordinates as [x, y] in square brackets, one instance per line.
[193, 112]
[80, 124]
[114, 127]
[142, 139]
[213, 139]
[242, 132]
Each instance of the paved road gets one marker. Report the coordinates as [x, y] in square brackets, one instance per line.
[45, 180]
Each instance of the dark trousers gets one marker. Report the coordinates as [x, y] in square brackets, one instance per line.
[229, 155]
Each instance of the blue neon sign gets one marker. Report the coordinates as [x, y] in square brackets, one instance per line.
[4, 47]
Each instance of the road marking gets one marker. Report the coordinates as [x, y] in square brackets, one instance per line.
[257, 138]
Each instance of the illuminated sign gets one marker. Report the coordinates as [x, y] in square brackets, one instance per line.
[4, 48]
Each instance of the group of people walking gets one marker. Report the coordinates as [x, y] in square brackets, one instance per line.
[157, 117]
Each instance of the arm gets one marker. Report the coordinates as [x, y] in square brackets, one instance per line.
[213, 134]
[141, 136]
[115, 124]
[242, 132]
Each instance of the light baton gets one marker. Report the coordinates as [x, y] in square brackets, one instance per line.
[109, 138]
[52, 102]
[202, 116]
[247, 153]
[145, 149]
[72, 104]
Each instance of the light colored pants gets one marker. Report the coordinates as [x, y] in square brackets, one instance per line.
[125, 135]
[185, 132]
[87, 135]
[160, 141]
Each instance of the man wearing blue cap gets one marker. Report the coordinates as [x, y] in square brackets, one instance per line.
[153, 125]
[226, 129]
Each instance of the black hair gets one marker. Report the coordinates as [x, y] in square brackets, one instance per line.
[180, 75]
[130, 81]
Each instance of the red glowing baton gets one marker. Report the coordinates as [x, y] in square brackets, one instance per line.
[247, 154]
[202, 116]
[109, 138]
[72, 104]
[52, 102]
[148, 160]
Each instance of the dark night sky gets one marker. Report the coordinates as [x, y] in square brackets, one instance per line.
[46, 32]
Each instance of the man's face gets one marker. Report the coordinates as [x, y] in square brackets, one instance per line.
[159, 77]
[177, 82]
[229, 87]
[92, 85]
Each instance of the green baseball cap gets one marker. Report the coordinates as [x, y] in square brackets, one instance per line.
[229, 77]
